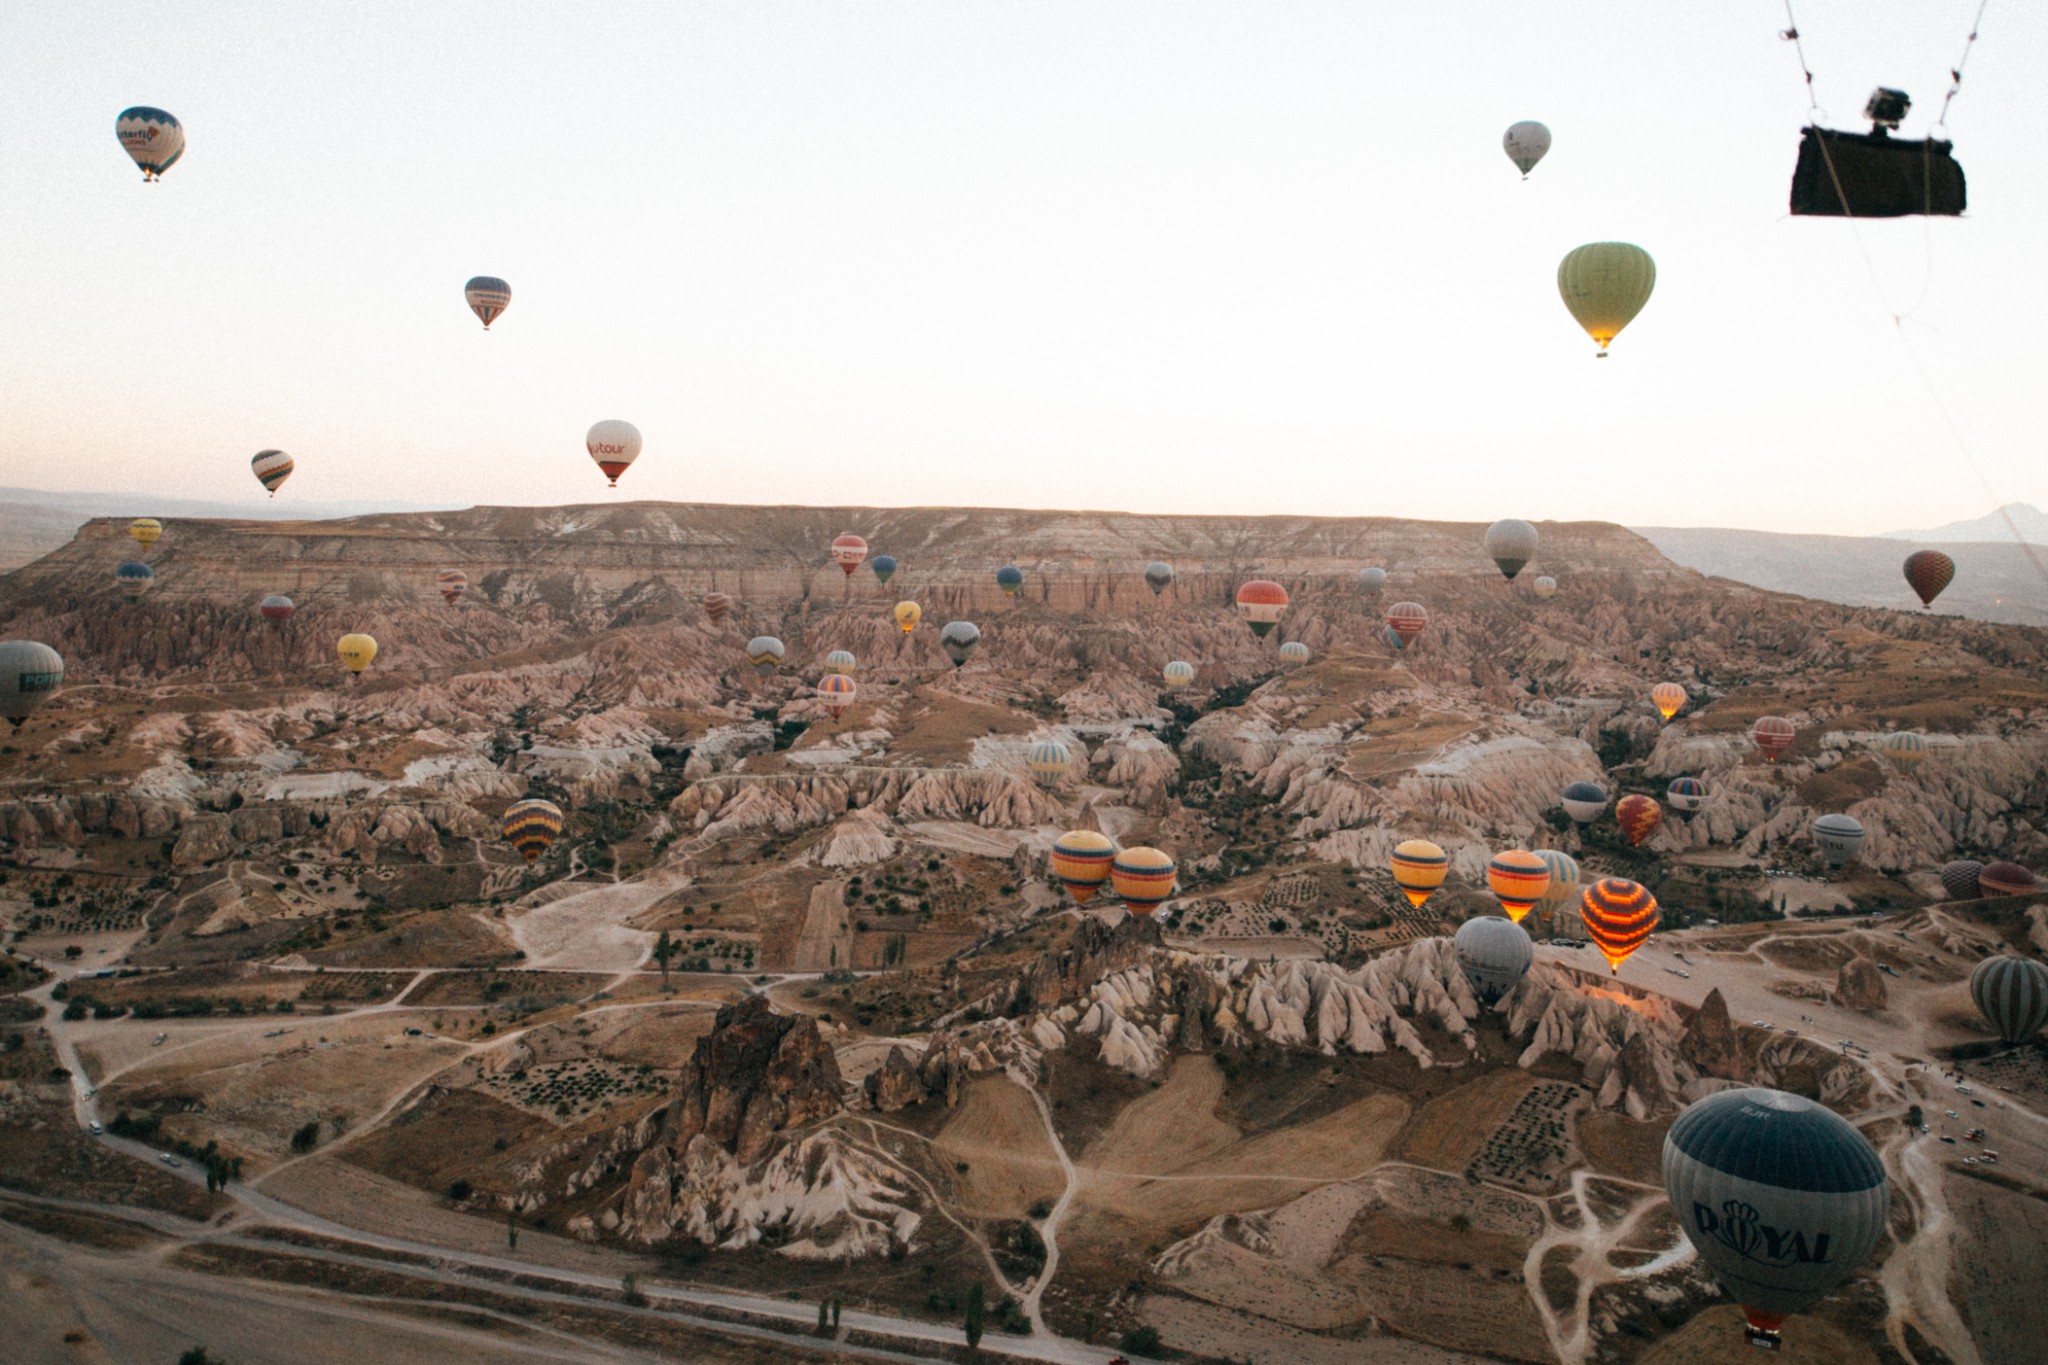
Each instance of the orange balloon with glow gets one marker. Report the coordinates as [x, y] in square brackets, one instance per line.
[907, 615]
[1419, 868]
[1620, 916]
[1669, 697]
[1519, 878]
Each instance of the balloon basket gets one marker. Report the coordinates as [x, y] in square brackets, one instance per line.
[1763, 1338]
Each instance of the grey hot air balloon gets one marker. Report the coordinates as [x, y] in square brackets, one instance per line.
[1782, 1198]
[1839, 836]
[958, 639]
[2012, 992]
[1494, 954]
[767, 654]
[1585, 802]
[1959, 878]
[1158, 576]
[1293, 654]
[1373, 580]
[1511, 544]
[29, 673]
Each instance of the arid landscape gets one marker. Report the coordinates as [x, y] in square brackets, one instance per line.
[791, 1046]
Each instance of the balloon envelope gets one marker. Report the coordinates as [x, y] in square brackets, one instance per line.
[1604, 285]
[614, 445]
[1494, 955]
[848, 551]
[1158, 576]
[2012, 993]
[276, 607]
[1048, 761]
[357, 651]
[1905, 750]
[1669, 699]
[1261, 603]
[271, 468]
[1526, 143]
[1546, 587]
[884, 567]
[487, 296]
[134, 577]
[452, 584]
[1407, 620]
[1638, 816]
[837, 691]
[907, 615]
[1774, 735]
[1373, 580]
[152, 138]
[1584, 802]
[1619, 915]
[1293, 654]
[1419, 868]
[1519, 878]
[1179, 673]
[29, 672]
[1081, 859]
[840, 661]
[1142, 879]
[717, 606]
[1564, 881]
[1511, 544]
[1010, 578]
[766, 653]
[1959, 879]
[1686, 795]
[145, 531]
[2005, 879]
[1928, 572]
[958, 639]
[1839, 836]
[531, 826]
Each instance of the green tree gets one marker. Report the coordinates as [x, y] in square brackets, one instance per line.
[664, 949]
[198, 1356]
[975, 1310]
[307, 1137]
[835, 1312]
[824, 1316]
[511, 1229]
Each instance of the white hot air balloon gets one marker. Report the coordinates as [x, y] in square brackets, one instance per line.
[614, 445]
[1526, 143]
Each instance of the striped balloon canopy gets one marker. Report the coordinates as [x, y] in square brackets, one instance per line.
[1179, 673]
[277, 607]
[1142, 878]
[1928, 572]
[958, 639]
[837, 691]
[1564, 883]
[1081, 860]
[1293, 654]
[2006, 879]
[1407, 620]
[1959, 879]
[145, 531]
[766, 653]
[1905, 750]
[1584, 802]
[271, 468]
[1519, 878]
[1686, 795]
[1638, 816]
[1620, 915]
[1669, 699]
[1261, 603]
[531, 826]
[2012, 993]
[840, 661]
[452, 583]
[1545, 587]
[135, 577]
[848, 551]
[1774, 735]
[1838, 837]
[1419, 868]
[487, 297]
[1048, 761]
[717, 606]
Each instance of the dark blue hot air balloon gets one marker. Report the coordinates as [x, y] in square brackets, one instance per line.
[134, 577]
[884, 567]
[1010, 578]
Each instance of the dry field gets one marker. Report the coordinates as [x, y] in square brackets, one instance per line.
[997, 1134]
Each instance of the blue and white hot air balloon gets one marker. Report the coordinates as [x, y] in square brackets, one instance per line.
[152, 137]
[487, 296]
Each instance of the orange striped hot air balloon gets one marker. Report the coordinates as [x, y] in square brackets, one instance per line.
[1142, 878]
[717, 606]
[1620, 915]
[1774, 735]
[1419, 868]
[1669, 698]
[837, 691]
[1638, 816]
[1081, 859]
[531, 825]
[1261, 603]
[1519, 878]
[452, 583]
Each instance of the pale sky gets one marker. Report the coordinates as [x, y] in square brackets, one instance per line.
[1173, 257]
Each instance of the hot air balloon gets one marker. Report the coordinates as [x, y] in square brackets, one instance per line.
[884, 567]
[840, 661]
[272, 468]
[1081, 859]
[1419, 868]
[2006, 879]
[1511, 544]
[848, 551]
[1906, 750]
[1525, 143]
[1605, 284]
[1519, 878]
[1047, 761]
[836, 690]
[357, 652]
[1564, 882]
[1407, 620]
[145, 531]
[135, 578]
[1494, 954]
[958, 639]
[907, 615]
[487, 296]
[766, 652]
[1668, 698]
[1839, 836]
[1584, 802]
[29, 673]
[1929, 571]
[1261, 603]
[452, 583]
[1780, 1196]
[1142, 878]
[1158, 576]
[614, 445]
[1686, 795]
[717, 606]
[276, 607]
[1773, 735]
[1959, 879]
[531, 826]
[1179, 673]
[2012, 993]
[1293, 654]
[1619, 916]
[1638, 816]
[1372, 580]
[1009, 578]
[152, 137]
[1545, 587]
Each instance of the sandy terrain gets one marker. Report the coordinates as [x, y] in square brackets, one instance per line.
[1203, 1329]
[1010, 1163]
[587, 931]
[826, 940]
[1715, 1338]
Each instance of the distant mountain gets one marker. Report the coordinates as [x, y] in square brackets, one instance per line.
[2031, 520]
[1992, 583]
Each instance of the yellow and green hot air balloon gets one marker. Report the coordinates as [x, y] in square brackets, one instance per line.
[356, 651]
[1605, 284]
[1419, 868]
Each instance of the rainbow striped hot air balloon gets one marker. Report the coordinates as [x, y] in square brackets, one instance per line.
[717, 606]
[1407, 620]
[1261, 603]
[1081, 859]
[1142, 878]
[1686, 795]
[452, 583]
[848, 551]
[1774, 735]
[271, 468]
[1419, 868]
[1669, 699]
[531, 826]
[1519, 878]
[1638, 816]
[837, 691]
[1620, 916]
[1048, 761]
[1928, 572]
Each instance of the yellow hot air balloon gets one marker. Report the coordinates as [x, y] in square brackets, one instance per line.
[1605, 284]
[907, 615]
[1669, 698]
[146, 531]
[1419, 867]
[356, 651]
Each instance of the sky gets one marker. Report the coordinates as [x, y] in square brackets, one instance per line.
[1170, 257]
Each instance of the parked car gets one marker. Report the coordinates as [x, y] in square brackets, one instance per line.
[167, 1159]
[94, 1128]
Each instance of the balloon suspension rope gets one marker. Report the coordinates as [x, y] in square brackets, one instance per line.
[1791, 35]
